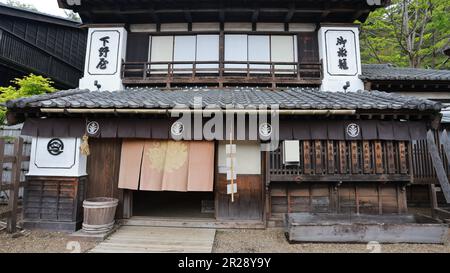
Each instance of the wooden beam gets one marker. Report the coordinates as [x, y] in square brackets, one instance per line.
[438, 165]
[290, 14]
[255, 15]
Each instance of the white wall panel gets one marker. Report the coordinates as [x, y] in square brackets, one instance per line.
[248, 157]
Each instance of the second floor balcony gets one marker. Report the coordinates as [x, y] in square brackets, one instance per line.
[222, 59]
[222, 73]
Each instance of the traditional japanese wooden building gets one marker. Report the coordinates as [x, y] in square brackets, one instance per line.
[429, 84]
[34, 42]
[166, 90]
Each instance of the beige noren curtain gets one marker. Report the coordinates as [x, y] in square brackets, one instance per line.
[166, 165]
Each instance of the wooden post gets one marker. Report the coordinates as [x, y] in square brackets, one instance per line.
[438, 165]
[15, 183]
[433, 200]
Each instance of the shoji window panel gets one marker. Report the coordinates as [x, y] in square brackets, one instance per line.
[259, 51]
[236, 47]
[161, 51]
[184, 51]
[283, 49]
[208, 51]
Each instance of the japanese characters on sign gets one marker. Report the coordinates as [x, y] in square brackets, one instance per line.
[103, 53]
[341, 52]
[104, 50]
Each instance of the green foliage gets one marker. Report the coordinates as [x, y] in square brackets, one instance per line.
[408, 33]
[24, 87]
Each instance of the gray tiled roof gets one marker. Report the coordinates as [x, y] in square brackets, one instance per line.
[290, 98]
[390, 72]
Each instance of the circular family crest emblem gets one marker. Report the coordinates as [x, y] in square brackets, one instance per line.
[353, 130]
[55, 146]
[177, 128]
[92, 128]
[265, 130]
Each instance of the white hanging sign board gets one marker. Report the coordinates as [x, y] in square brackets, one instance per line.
[231, 188]
[230, 149]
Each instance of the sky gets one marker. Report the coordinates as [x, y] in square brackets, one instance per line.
[46, 6]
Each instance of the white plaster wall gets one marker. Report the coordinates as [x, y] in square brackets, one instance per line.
[248, 157]
[108, 81]
[70, 163]
[332, 82]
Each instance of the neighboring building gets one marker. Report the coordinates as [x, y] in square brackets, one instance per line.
[34, 42]
[335, 149]
[422, 83]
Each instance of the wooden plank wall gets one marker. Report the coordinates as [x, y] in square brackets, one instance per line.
[330, 160]
[103, 170]
[248, 203]
[348, 198]
[424, 172]
[56, 199]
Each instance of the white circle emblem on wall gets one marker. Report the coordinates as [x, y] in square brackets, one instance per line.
[177, 128]
[92, 128]
[353, 130]
[265, 130]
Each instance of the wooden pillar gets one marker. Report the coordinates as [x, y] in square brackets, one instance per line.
[14, 190]
[433, 200]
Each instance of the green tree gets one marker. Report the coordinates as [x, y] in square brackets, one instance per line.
[24, 87]
[408, 33]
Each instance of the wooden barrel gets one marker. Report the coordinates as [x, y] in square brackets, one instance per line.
[99, 214]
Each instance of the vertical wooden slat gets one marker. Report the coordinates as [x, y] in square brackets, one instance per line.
[402, 157]
[342, 157]
[15, 181]
[390, 157]
[378, 157]
[438, 166]
[330, 157]
[366, 157]
[306, 157]
[380, 200]
[318, 157]
[2, 154]
[357, 198]
[354, 157]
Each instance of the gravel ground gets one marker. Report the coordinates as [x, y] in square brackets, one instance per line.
[226, 241]
[39, 242]
[274, 241]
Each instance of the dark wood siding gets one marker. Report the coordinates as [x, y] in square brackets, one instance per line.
[137, 47]
[54, 199]
[308, 47]
[103, 170]
[332, 160]
[52, 50]
[248, 203]
[349, 198]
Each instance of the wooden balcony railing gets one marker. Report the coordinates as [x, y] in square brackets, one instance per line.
[272, 73]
